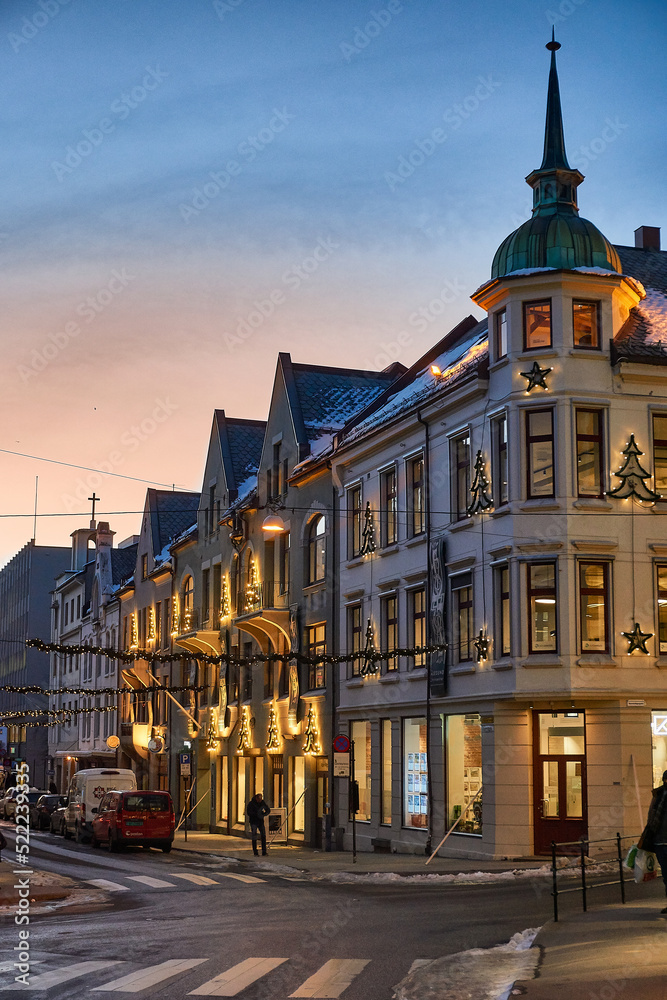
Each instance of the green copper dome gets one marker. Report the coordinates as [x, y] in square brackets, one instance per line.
[556, 236]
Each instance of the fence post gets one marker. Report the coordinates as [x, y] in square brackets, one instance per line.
[554, 880]
[583, 873]
[620, 866]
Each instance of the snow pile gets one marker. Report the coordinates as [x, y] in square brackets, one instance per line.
[472, 878]
[478, 974]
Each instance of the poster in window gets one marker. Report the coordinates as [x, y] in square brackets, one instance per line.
[411, 803]
[411, 762]
[424, 804]
[422, 758]
[410, 782]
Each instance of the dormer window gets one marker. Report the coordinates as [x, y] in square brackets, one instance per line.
[536, 325]
[585, 325]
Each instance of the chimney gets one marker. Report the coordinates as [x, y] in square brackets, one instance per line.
[647, 238]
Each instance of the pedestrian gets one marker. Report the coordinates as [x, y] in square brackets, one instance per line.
[53, 788]
[256, 810]
[3, 843]
[654, 837]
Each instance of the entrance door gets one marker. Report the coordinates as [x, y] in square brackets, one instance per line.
[559, 779]
[322, 806]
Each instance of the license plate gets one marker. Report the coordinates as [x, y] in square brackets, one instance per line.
[134, 822]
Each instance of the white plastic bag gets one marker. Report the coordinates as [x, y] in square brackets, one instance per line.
[645, 866]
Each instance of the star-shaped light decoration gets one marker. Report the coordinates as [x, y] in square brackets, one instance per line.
[536, 376]
[637, 639]
[481, 645]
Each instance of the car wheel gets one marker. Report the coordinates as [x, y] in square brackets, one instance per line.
[166, 848]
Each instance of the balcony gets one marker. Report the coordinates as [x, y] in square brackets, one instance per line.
[262, 595]
[263, 612]
[198, 631]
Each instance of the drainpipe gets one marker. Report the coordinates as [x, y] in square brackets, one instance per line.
[427, 513]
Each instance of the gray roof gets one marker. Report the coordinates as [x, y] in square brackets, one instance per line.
[170, 513]
[644, 335]
[329, 396]
[123, 562]
[241, 444]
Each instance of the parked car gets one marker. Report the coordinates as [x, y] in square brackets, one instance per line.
[143, 818]
[41, 809]
[4, 801]
[57, 820]
[10, 803]
[86, 790]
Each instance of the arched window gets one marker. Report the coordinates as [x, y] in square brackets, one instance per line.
[188, 594]
[317, 549]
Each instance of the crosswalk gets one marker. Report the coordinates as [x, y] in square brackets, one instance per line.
[110, 885]
[326, 983]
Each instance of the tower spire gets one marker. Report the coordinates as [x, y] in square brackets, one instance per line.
[555, 183]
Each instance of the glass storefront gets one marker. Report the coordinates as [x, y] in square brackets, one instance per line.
[464, 772]
[415, 773]
[386, 772]
[239, 767]
[298, 768]
[360, 732]
[659, 743]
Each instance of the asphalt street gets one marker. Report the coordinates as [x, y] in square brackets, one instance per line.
[186, 924]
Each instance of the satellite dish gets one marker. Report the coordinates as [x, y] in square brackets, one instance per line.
[113, 742]
[155, 744]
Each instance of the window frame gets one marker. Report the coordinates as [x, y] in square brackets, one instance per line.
[503, 600]
[661, 627]
[526, 307]
[460, 584]
[415, 617]
[500, 463]
[595, 439]
[388, 507]
[316, 645]
[598, 338]
[541, 592]
[660, 442]
[417, 495]
[354, 630]
[530, 439]
[500, 332]
[389, 630]
[605, 593]
[460, 475]
[317, 550]
[354, 509]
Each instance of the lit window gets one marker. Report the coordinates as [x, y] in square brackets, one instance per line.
[390, 629]
[502, 579]
[316, 550]
[354, 636]
[389, 508]
[354, 521]
[386, 772]
[660, 453]
[585, 327]
[536, 325]
[462, 599]
[317, 646]
[542, 607]
[593, 607]
[540, 453]
[500, 465]
[415, 773]
[417, 604]
[501, 334]
[460, 476]
[417, 509]
[662, 609]
[360, 732]
[589, 453]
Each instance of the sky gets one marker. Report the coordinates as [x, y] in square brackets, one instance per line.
[190, 188]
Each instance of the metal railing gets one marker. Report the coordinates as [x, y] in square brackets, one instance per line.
[585, 886]
[262, 595]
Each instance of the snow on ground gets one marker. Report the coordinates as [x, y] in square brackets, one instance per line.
[478, 974]
[466, 878]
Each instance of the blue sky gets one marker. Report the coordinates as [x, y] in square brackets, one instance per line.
[129, 270]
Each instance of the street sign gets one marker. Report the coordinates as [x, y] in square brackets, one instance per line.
[185, 759]
[341, 765]
[341, 743]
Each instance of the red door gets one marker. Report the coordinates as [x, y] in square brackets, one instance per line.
[559, 780]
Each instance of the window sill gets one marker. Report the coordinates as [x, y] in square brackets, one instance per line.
[391, 678]
[388, 550]
[313, 588]
[500, 363]
[596, 660]
[660, 507]
[501, 511]
[418, 674]
[537, 352]
[356, 561]
[319, 694]
[460, 525]
[542, 660]
[502, 665]
[415, 540]
[661, 661]
[594, 353]
[463, 668]
[539, 504]
[354, 682]
[592, 503]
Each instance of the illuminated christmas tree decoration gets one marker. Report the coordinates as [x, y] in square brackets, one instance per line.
[311, 744]
[481, 645]
[369, 664]
[134, 638]
[253, 589]
[174, 616]
[632, 476]
[479, 489]
[637, 639]
[272, 736]
[244, 733]
[151, 625]
[224, 598]
[536, 377]
[368, 534]
[211, 738]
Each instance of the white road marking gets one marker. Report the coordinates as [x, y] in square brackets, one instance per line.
[135, 982]
[48, 979]
[155, 883]
[105, 883]
[231, 982]
[334, 977]
[240, 878]
[197, 879]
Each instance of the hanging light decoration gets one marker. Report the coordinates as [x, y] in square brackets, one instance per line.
[175, 623]
[481, 645]
[224, 598]
[134, 637]
[311, 743]
[369, 665]
[272, 736]
[211, 738]
[637, 639]
[151, 625]
[479, 489]
[633, 476]
[368, 534]
[244, 733]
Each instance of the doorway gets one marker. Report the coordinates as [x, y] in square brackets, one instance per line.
[559, 779]
[322, 801]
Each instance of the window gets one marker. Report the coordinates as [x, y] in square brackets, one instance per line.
[589, 453]
[417, 507]
[500, 466]
[659, 741]
[502, 581]
[316, 549]
[386, 772]
[355, 633]
[540, 454]
[501, 334]
[662, 609]
[415, 773]
[205, 594]
[144, 567]
[277, 470]
[246, 692]
[360, 733]
[542, 607]
[659, 454]
[536, 325]
[283, 560]
[389, 508]
[593, 603]
[460, 462]
[585, 325]
[354, 521]
[417, 608]
[464, 772]
[389, 618]
[316, 646]
[78, 605]
[158, 625]
[462, 599]
[212, 523]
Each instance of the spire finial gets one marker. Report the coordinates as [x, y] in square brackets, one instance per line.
[553, 45]
[554, 139]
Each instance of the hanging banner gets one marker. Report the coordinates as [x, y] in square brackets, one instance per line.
[437, 630]
[293, 706]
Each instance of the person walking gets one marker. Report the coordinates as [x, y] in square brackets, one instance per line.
[256, 810]
[654, 837]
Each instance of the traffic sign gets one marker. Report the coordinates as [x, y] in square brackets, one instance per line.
[341, 765]
[185, 759]
[341, 743]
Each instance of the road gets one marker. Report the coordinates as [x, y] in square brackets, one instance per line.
[190, 924]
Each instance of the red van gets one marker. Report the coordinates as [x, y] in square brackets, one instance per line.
[134, 817]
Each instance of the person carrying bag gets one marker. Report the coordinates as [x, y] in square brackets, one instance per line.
[654, 837]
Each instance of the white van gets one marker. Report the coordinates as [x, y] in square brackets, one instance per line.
[86, 790]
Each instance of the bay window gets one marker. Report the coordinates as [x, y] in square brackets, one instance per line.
[536, 325]
[540, 454]
[585, 325]
[542, 607]
[594, 605]
[589, 453]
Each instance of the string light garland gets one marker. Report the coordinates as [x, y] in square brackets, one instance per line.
[52, 692]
